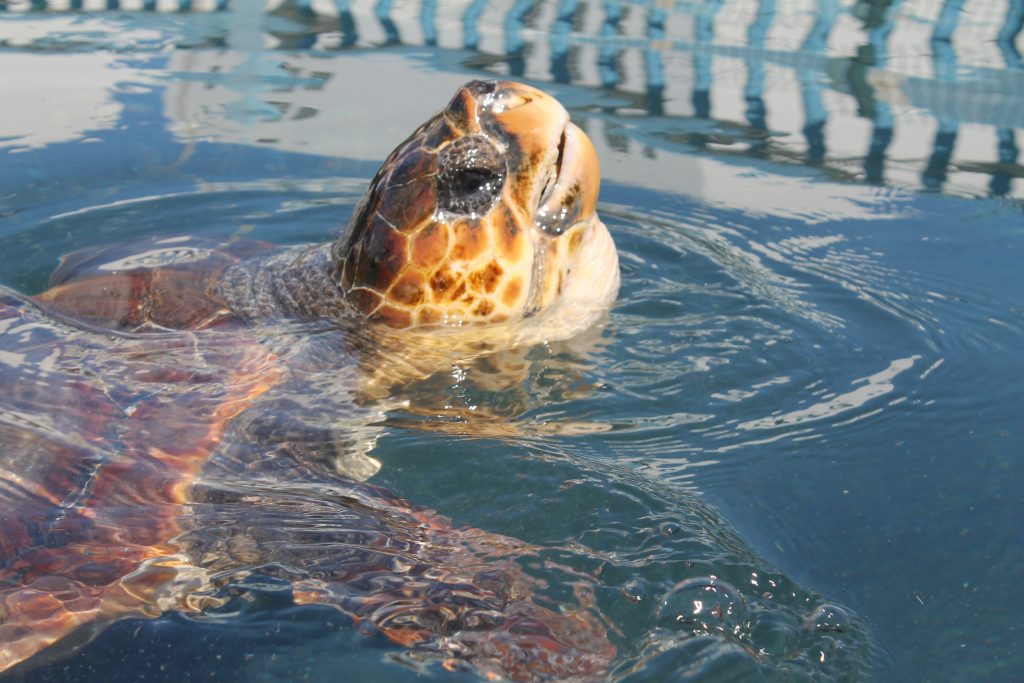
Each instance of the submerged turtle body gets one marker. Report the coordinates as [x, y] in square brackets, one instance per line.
[101, 439]
[154, 438]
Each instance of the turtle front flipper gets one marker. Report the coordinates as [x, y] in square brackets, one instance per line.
[478, 619]
[54, 616]
[308, 426]
[406, 572]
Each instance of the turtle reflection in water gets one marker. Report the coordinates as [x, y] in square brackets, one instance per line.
[164, 425]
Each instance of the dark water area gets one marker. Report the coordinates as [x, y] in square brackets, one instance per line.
[809, 387]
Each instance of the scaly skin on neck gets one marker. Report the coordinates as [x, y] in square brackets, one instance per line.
[295, 283]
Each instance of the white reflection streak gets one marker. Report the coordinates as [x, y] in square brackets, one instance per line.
[932, 368]
[330, 187]
[878, 384]
[761, 442]
[119, 203]
[736, 395]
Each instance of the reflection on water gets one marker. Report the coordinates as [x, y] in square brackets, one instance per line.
[913, 94]
[791, 450]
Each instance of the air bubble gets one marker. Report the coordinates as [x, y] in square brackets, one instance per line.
[669, 529]
[634, 590]
[829, 618]
[704, 605]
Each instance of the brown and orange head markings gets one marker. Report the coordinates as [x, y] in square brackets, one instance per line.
[481, 216]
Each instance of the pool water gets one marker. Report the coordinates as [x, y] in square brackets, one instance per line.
[809, 388]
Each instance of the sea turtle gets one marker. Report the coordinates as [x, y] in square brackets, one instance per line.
[170, 414]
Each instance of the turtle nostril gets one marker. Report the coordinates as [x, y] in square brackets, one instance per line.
[479, 88]
[496, 97]
[509, 98]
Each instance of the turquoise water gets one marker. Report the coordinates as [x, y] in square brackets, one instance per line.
[812, 377]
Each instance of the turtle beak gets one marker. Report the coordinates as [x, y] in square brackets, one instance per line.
[570, 197]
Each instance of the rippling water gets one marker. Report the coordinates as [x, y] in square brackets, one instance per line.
[793, 449]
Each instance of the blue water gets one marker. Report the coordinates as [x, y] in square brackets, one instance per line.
[813, 371]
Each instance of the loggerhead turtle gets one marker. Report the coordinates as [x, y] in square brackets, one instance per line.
[169, 422]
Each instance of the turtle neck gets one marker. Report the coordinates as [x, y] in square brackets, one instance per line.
[295, 283]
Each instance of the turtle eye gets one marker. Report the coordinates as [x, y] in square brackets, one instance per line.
[473, 181]
[470, 176]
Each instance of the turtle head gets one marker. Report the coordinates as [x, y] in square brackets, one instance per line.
[485, 214]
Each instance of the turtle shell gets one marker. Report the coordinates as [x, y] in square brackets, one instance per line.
[136, 464]
[156, 284]
[155, 439]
